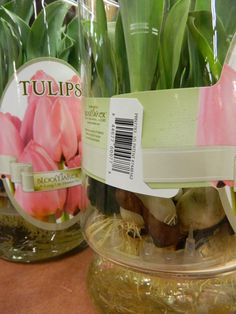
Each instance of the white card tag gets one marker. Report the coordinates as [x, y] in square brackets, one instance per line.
[124, 167]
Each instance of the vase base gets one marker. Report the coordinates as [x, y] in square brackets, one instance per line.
[22, 242]
[117, 289]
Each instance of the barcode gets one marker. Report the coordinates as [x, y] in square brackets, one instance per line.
[124, 129]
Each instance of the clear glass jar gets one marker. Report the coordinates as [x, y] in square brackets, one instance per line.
[24, 242]
[118, 289]
[40, 56]
[158, 144]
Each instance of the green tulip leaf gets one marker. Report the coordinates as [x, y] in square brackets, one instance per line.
[73, 32]
[72, 29]
[111, 29]
[173, 38]
[183, 68]
[101, 19]
[101, 59]
[65, 47]
[203, 5]
[10, 52]
[171, 3]
[212, 48]
[142, 25]
[3, 69]
[74, 58]
[196, 74]
[226, 12]
[103, 54]
[46, 31]
[121, 58]
[23, 8]
[21, 29]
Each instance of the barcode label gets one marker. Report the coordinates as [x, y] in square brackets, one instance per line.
[124, 142]
[124, 159]
[124, 134]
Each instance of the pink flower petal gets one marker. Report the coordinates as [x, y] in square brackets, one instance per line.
[10, 140]
[28, 121]
[217, 112]
[76, 199]
[39, 204]
[58, 135]
[74, 105]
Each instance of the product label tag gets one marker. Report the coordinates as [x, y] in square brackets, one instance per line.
[124, 152]
[174, 132]
[52, 180]
[157, 142]
[40, 143]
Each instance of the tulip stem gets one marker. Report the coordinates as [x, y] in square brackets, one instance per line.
[65, 217]
[61, 165]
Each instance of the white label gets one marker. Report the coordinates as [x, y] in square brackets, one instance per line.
[124, 153]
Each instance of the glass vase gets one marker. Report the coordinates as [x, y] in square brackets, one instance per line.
[40, 160]
[118, 289]
[158, 144]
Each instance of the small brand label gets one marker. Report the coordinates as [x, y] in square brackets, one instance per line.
[55, 180]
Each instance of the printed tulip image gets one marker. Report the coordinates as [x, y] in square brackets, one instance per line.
[217, 112]
[11, 126]
[58, 114]
[33, 99]
[76, 195]
[58, 136]
[48, 138]
[40, 129]
[73, 104]
[40, 204]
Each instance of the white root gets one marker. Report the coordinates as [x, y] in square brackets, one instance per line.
[131, 217]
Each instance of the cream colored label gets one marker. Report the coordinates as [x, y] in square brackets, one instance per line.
[54, 180]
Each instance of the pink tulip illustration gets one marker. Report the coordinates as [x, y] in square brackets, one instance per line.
[58, 136]
[11, 142]
[76, 196]
[217, 112]
[28, 121]
[76, 200]
[40, 204]
[54, 121]
[74, 106]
